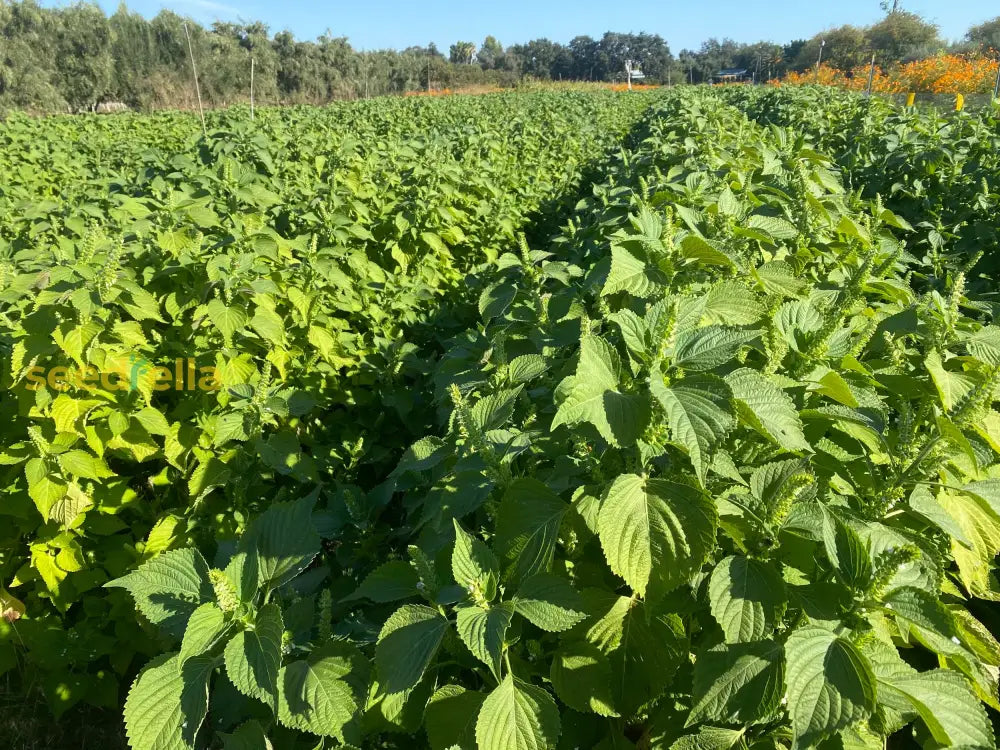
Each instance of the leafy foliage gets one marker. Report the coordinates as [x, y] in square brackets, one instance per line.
[296, 257]
[714, 469]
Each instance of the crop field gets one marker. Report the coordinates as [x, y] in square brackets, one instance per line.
[559, 419]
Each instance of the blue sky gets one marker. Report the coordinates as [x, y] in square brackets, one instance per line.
[373, 24]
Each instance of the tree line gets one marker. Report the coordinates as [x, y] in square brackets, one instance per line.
[76, 57]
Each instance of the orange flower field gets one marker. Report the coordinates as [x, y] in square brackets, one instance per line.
[941, 74]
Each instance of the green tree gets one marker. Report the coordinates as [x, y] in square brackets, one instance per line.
[590, 61]
[985, 35]
[647, 51]
[759, 58]
[902, 35]
[713, 56]
[461, 53]
[83, 61]
[27, 75]
[490, 53]
[846, 47]
[134, 54]
[537, 57]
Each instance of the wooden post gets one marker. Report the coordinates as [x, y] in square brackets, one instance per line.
[996, 87]
[819, 60]
[197, 88]
[251, 88]
[871, 77]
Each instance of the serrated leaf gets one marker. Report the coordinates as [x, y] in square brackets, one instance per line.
[208, 475]
[699, 413]
[952, 387]
[407, 643]
[630, 274]
[253, 656]
[227, 319]
[779, 277]
[767, 409]
[775, 226]
[770, 482]
[655, 533]
[81, 464]
[946, 704]
[152, 420]
[323, 693]
[746, 597]
[389, 582]
[737, 683]
[168, 588]
[493, 410]
[527, 528]
[167, 703]
[526, 367]
[549, 602]
[204, 630]
[704, 349]
[646, 660]
[708, 252]
[248, 736]
[593, 395]
[284, 539]
[829, 683]
[581, 676]
[708, 738]
[483, 631]
[473, 564]
[269, 326]
[66, 411]
[974, 554]
[450, 718]
[927, 618]
[848, 553]
[730, 303]
[517, 716]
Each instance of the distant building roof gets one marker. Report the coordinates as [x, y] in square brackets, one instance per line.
[733, 72]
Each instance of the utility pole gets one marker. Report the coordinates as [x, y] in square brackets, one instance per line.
[871, 77]
[197, 88]
[628, 73]
[819, 60]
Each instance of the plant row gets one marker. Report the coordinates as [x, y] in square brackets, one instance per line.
[710, 473]
[189, 336]
[937, 169]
